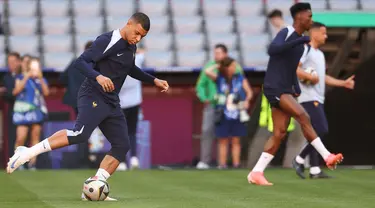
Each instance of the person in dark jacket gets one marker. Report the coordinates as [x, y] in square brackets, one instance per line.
[14, 67]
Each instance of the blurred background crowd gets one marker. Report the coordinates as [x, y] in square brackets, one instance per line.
[193, 44]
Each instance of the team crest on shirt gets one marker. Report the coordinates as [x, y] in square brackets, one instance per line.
[316, 103]
[94, 104]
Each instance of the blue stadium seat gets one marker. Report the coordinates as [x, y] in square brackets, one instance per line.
[58, 61]
[87, 8]
[217, 8]
[89, 26]
[24, 44]
[158, 59]
[183, 8]
[153, 8]
[190, 42]
[158, 42]
[22, 25]
[54, 8]
[57, 43]
[187, 25]
[191, 59]
[219, 25]
[56, 25]
[22, 8]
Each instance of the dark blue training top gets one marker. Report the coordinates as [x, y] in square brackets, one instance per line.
[113, 57]
[285, 53]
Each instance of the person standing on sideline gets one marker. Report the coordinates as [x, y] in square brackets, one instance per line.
[131, 107]
[9, 79]
[206, 92]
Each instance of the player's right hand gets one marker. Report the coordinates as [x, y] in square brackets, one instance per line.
[106, 83]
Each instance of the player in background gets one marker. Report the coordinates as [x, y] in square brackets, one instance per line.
[312, 96]
[106, 64]
[281, 87]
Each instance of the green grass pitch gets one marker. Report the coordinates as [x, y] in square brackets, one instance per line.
[190, 188]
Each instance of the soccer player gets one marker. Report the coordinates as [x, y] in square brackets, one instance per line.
[312, 96]
[105, 64]
[281, 87]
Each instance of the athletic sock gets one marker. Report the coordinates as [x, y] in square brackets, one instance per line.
[300, 160]
[315, 170]
[263, 161]
[40, 148]
[102, 174]
[319, 146]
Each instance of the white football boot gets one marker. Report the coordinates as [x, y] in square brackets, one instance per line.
[20, 157]
[134, 163]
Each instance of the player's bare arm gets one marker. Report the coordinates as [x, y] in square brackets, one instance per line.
[348, 83]
[249, 93]
[211, 73]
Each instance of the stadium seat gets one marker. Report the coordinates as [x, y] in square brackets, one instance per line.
[158, 59]
[89, 26]
[368, 5]
[234, 54]
[2, 60]
[229, 39]
[56, 25]
[339, 5]
[116, 22]
[153, 8]
[219, 25]
[159, 24]
[255, 42]
[22, 8]
[251, 25]
[57, 43]
[187, 25]
[119, 8]
[22, 25]
[183, 8]
[191, 59]
[87, 8]
[248, 8]
[24, 44]
[283, 5]
[81, 41]
[158, 42]
[190, 42]
[58, 61]
[255, 59]
[217, 8]
[317, 5]
[54, 8]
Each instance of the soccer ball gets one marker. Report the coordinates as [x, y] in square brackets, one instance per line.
[311, 71]
[95, 189]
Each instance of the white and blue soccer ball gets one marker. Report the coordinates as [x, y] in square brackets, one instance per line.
[95, 189]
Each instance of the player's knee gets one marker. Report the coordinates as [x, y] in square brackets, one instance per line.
[77, 136]
[303, 118]
[280, 134]
[119, 150]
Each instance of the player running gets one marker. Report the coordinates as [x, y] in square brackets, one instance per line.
[312, 96]
[105, 64]
[281, 87]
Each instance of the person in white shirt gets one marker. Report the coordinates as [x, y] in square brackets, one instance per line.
[313, 79]
[131, 107]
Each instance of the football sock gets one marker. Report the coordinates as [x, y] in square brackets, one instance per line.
[300, 160]
[39, 148]
[262, 163]
[103, 174]
[319, 146]
[315, 170]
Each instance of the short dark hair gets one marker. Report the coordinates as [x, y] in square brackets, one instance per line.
[317, 25]
[222, 47]
[226, 62]
[275, 13]
[88, 44]
[299, 7]
[15, 54]
[142, 19]
[26, 56]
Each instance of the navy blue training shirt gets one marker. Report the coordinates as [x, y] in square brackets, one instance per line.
[285, 53]
[113, 57]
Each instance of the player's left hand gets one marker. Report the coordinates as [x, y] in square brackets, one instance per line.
[161, 84]
[349, 83]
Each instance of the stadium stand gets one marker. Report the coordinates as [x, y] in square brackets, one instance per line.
[178, 27]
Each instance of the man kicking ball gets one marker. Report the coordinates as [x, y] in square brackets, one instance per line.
[105, 64]
[312, 96]
[281, 87]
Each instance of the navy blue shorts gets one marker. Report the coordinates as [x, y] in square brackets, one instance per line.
[273, 97]
[317, 116]
[230, 128]
[94, 111]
